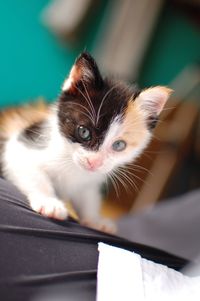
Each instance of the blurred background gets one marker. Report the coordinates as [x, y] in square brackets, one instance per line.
[149, 41]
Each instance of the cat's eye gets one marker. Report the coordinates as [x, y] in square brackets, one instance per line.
[119, 145]
[84, 133]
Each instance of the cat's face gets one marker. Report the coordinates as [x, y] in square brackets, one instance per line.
[108, 123]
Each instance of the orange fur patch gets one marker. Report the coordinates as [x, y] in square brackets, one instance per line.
[134, 128]
[16, 119]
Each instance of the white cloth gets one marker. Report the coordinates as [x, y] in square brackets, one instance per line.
[125, 275]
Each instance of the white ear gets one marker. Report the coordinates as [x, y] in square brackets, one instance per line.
[152, 100]
[71, 80]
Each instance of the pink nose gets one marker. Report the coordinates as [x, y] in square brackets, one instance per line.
[93, 164]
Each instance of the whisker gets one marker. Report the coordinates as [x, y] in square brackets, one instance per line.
[89, 100]
[106, 184]
[137, 166]
[116, 180]
[80, 105]
[131, 173]
[102, 101]
[121, 180]
[136, 176]
[114, 183]
[85, 114]
[158, 152]
[169, 108]
[128, 179]
[91, 113]
[119, 177]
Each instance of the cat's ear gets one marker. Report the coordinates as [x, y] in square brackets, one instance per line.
[152, 100]
[84, 71]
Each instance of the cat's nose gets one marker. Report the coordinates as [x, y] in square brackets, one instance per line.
[94, 163]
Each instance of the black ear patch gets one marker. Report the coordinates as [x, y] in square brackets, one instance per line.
[152, 122]
[89, 69]
[84, 71]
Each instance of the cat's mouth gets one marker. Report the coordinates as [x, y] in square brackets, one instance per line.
[101, 169]
[93, 165]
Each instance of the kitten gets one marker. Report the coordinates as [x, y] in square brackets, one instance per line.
[67, 150]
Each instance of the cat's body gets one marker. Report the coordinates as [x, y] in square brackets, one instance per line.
[67, 151]
[50, 168]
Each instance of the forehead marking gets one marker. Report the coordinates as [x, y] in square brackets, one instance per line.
[131, 127]
[113, 131]
[102, 102]
[134, 126]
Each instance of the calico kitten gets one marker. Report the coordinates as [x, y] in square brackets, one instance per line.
[67, 150]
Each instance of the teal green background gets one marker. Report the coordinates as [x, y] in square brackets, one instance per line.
[33, 62]
[175, 44]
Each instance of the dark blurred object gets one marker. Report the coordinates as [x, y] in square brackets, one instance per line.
[172, 226]
[175, 44]
[191, 8]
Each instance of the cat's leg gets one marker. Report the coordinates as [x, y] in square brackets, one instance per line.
[39, 190]
[88, 205]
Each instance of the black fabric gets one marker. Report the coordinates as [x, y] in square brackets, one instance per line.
[45, 259]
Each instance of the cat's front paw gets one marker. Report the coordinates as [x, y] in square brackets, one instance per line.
[103, 224]
[49, 207]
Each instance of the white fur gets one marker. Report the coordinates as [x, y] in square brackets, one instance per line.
[67, 84]
[50, 176]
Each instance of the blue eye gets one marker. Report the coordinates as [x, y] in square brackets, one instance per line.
[84, 133]
[119, 145]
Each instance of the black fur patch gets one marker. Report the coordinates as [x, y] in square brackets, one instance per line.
[84, 63]
[34, 136]
[74, 110]
[152, 122]
[92, 102]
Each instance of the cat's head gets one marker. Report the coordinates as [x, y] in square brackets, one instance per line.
[107, 122]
